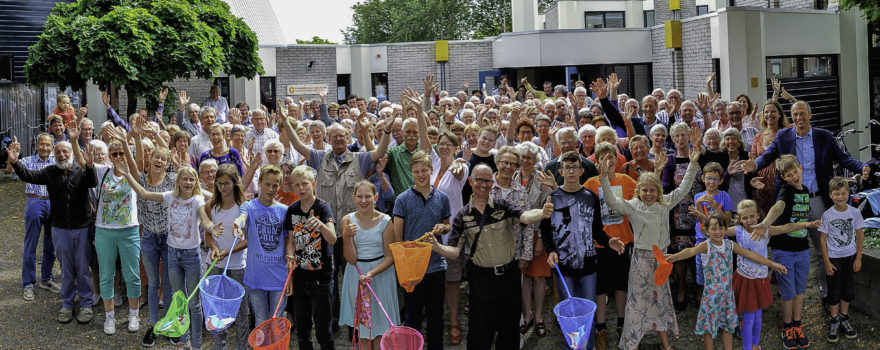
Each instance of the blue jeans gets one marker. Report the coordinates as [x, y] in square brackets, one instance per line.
[74, 250]
[153, 249]
[264, 302]
[36, 217]
[798, 266]
[583, 287]
[184, 273]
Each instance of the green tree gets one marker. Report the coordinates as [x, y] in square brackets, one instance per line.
[141, 45]
[870, 8]
[316, 40]
[388, 21]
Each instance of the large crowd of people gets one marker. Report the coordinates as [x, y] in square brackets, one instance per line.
[505, 184]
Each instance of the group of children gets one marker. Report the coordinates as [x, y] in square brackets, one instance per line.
[733, 292]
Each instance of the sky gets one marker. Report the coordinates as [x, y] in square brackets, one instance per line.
[303, 19]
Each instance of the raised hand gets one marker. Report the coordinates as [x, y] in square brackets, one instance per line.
[757, 182]
[13, 150]
[710, 79]
[105, 97]
[613, 81]
[163, 95]
[776, 85]
[548, 209]
[82, 112]
[182, 99]
[349, 230]
[660, 160]
[253, 159]
[235, 113]
[599, 88]
[72, 129]
[381, 163]
[322, 92]
[703, 102]
[606, 165]
[430, 86]
[466, 85]
[88, 156]
[120, 165]
[546, 178]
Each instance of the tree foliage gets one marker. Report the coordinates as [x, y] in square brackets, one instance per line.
[316, 40]
[870, 8]
[141, 45]
[388, 21]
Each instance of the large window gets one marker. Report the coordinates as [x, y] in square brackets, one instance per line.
[649, 18]
[598, 20]
[800, 66]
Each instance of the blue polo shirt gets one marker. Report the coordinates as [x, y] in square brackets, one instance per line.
[420, 215]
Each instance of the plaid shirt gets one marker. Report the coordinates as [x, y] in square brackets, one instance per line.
[34, 163]
[261, 139]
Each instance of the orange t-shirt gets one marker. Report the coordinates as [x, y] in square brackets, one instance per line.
[68, 115]
[287, 198]
[616, 224]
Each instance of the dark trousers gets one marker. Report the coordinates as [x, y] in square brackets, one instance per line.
[495, 302]
[427, 298]
[312, 303]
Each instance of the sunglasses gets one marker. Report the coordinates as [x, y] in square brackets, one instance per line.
[117, 154]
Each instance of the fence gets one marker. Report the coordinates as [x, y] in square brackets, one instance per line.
[21, 109]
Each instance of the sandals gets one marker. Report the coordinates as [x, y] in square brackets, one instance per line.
[454, 339]
[524, 328]
[540, 329]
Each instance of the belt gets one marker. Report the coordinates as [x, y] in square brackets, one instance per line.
[814, 194]
[371, 259]
[497, 270]
[37, 197]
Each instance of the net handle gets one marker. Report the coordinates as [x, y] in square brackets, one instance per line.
[377, 298]
[562, 279]
[196, 289]
[283, 295]
[229, 256]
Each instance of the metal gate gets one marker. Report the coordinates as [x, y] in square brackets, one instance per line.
[21, 115]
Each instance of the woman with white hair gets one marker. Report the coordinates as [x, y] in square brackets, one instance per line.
[587, 138]
[273, 151]
[99, 152]
[608, 134]
[538, 186]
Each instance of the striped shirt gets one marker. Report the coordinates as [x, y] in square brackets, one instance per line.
[34, 163]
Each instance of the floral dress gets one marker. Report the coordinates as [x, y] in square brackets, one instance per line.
[523, 234]
[718, 308]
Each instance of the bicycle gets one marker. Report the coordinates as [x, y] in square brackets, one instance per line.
[4, 142]
[43, 128]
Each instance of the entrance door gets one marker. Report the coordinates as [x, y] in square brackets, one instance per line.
[488, 79]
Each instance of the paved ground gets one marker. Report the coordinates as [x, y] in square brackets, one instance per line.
[32, 325]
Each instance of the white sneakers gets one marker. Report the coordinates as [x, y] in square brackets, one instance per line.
[134, 324]
[110, 325]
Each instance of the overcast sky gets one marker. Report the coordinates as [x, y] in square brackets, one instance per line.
[305, 19]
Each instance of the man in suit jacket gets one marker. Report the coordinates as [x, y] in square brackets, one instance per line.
[816, 151]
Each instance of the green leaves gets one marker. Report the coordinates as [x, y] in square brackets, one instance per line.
[870, 8]
[141, 44]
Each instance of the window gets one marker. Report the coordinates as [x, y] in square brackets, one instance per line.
[598, 20]
[801, 66]
[343, 85]
[649, 18]
[821, 4]
[5, 67]
[267, 92]
[702, 10]
[380, 86]
[223, 83]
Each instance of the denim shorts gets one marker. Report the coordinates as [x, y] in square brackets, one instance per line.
[798, 266]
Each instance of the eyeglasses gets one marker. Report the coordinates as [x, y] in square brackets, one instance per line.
[508, 164]
[735, 112]
[483, 181]
[571, 168]
[225, 183]
[445, 105]
[444, 144]
[337, 136]
[712, 179]
[208, 172]
[117, 154]
[273, 151]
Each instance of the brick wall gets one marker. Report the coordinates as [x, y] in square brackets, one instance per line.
[409, 63]
[662, 60]
[291, 67]
[697, 54]
[797, 4]
[757, 3]
[197, 90]
[663, 14]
